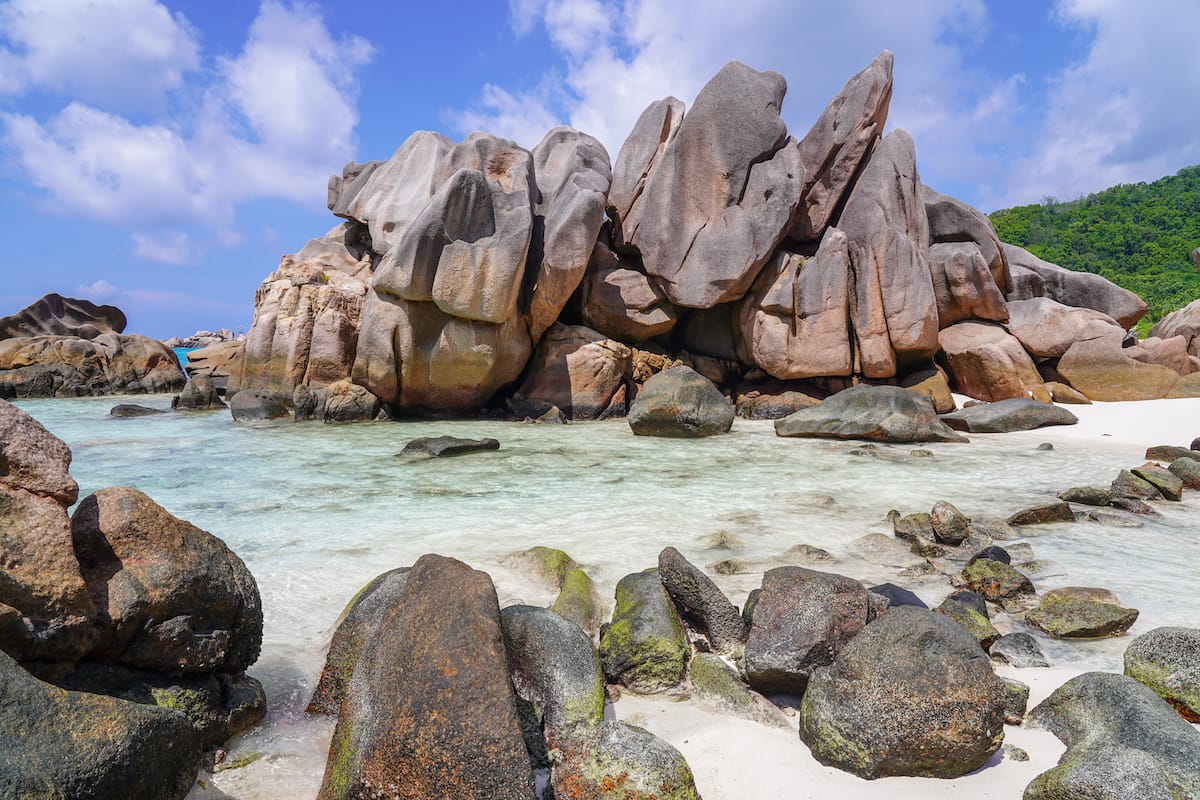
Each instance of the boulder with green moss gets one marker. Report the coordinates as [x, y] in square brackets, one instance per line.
[1123, 743]
[996, 581]
[359, 622]
[577, 601]
[1166, 482]
[624, 762]
[60, 744]
[1073, 614]
[719, 687]
[1168, 661]
[644, 647]
[913, 694]
[975, 623]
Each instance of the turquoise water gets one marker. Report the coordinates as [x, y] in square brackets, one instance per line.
[317, 510]
[181, 354]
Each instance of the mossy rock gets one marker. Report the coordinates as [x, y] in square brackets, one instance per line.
[1168, 661]
[645, 647]
[719, 686]
[1076, 617]
[622, 762]
[996, 581]
[975, 623]
[576, 600]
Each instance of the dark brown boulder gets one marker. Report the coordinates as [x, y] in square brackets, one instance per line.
[55, 315]
[430, 711]
[168, 595]
[33, 459]
[701, 604]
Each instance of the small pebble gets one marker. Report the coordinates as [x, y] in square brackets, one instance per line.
[1015, 753]
[921, 454]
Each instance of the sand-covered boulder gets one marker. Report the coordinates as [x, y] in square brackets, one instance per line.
[988, 363]
[801, 620]
[644, 647]
[577, 370]
[888, 233]
[875, 413]
[1123, 743]
[722, 194]
[430, 709]
[1079, 289]
[839, 142]
[795, 322]
[55, 743]
[169, 596]
[1168, 661]
[913, 694]
[680, 403]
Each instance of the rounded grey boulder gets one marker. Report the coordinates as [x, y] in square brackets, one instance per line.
[1168, 661]
[875, 413]
[680, 403]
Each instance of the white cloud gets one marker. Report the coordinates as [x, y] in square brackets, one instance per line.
[524, 117]
[99, 290]
[167, 247]
[125, 53]
[278, 119]
[1126, 112]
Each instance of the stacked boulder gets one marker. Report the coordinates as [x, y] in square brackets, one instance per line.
[62, 347]
[120, 600]
[781, 269]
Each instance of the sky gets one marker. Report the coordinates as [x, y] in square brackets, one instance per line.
[161, 155]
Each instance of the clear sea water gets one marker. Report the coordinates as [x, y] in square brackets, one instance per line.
[316, 511]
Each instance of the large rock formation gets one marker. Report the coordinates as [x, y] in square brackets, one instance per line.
[760, 260]
[61, 347]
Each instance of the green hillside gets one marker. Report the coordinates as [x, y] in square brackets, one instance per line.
[1139, 236]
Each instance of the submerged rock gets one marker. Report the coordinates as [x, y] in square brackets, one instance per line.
[913, 694]
[256, 407]
[1168, 661]
[1123, 743]
[1043, 515]
[1019, 649]
[440, 446]
[875, 413]
[131, 411]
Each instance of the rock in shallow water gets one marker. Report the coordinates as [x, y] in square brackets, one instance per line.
[1068, 614]
[875, 413]
[680, 403]
[913, 694]
[439, 446]
[131, 411]
[1123, 743]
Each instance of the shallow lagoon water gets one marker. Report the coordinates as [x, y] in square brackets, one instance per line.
[316, 511]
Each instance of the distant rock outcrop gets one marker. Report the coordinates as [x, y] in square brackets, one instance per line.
[61, 347]
[769, 264]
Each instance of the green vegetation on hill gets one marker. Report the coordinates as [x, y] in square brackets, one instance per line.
[1139, 236]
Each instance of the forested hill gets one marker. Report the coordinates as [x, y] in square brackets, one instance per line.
[1139, 236]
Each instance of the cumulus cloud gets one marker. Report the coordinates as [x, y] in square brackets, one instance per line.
[166, 247]
[1125, 112]
[99, 290]
[276, 121]
[123, 53]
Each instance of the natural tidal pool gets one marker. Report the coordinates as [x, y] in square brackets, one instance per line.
[316, 511]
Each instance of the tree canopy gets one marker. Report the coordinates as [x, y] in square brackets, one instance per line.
[1139, 236]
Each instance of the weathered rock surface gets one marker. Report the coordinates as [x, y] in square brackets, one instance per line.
[644, 647]
[952, 220]
[839, 142]
[623, 302]
[576, 369]
[132, 410]
[895, 319]
[1127, 484]
[913, 694]
[972, 620]
[1166, 482]
[701, 604]
[795, 322]
[64, 366]
[1047, 328]
[360, 622]
[55, 743]
[249, 406]
[963, 284]
[988, 363]
[430, 709]
[1074, 615]
[719, 686]
[801, 620]
[1187, 470]
[1079, 289]
[1168, 661]
[169, 596]
[679, 402]
[440, 446]
[55, 315]
[639, 155]
[1019, 649]
[198, 395]
[217, 362]
[1123, 743]
[32, 459]
[950, 526]
[1183, 322]
[623, 762]
[1102, 370]
[996, 581]
[875, 413]
[1006, 416]
[706, 246]
[1043, 514]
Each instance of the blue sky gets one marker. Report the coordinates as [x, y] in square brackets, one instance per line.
[162, 154]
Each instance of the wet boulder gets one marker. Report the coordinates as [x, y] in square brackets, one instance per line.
[1123, 743]
[1168, 661]
[644, 647]
[250, 406]
[446, 446]
[950, 526]
[133, 411]
[1187, 470]
[996, 581]
[1018, 649]
[972, 619]
[700, 603]
[680, 403]
[199, 394]
[1043, 514]
[1006, 416]
[1168, 484]
[801, 620]
[874, 413]
[913, 694]
[169, 596]
[55, 743]
[1079, 614]
[430, 709]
